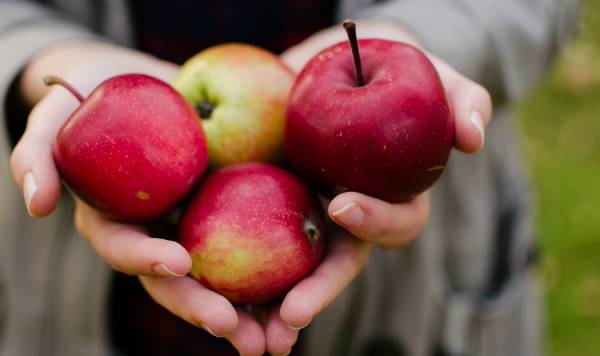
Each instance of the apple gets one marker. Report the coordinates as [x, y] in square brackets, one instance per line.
[253, 230]
[379, 124]
[132, 149]
[241, 93]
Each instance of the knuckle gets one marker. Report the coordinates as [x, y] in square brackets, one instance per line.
[111, 253]
[15, 155]
[398, 234]
[383, 225]
[479, 89]
[486, 95]
[116, 267]
[398, 242]
[372, 233]
[18, 161]
[110, 246]
[389, 247]
[35, 115]
[394, 243]
[486, 98]
[185, 310]
[482, 96]
[411, 236]
[403, 238]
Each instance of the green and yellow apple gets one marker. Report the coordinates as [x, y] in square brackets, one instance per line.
[241, 93]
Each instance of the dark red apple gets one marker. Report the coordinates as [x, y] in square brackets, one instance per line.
[132, 149]
[388, 137]
[253, 230]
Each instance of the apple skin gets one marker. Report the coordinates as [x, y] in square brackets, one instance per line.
[389, 139]
[132, 149]
[249, 89]
[253, 230]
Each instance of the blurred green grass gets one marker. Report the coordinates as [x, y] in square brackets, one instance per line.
[560, 126]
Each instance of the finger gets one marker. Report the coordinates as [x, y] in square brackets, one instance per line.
[346, 257]
[32, 163]
[471, 105]
[128, 249]
[194, 303]
[249, 337]
[390, 226]
[280, 337]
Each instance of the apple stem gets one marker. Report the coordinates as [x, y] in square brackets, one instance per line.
[350, 28]
[52, 79]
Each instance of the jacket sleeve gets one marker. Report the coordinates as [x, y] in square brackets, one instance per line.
[25, 29]
[504, 45]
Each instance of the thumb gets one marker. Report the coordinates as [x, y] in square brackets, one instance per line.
[390, 226]
[471, 104]
[31, 161]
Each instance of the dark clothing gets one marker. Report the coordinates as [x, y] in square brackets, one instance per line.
[176, 30]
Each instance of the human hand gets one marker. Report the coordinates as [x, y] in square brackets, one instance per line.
[160, 263]
[162, 266]
[84, 65]
[344, 258]
[392, 226]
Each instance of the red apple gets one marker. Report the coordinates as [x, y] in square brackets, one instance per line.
[253, 230]
[389, 137]
[132, 149]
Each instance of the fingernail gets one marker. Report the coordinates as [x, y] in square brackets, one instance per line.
[350, 215]
[29, 189]
[210, 331]
[478, 122]
[299, 327]
[164, 271]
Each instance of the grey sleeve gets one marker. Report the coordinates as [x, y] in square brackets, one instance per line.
[506, 45]
[26, 29]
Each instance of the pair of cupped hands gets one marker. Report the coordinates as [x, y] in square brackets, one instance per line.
[162, 264]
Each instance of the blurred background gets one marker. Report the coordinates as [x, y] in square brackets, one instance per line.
[560, 125]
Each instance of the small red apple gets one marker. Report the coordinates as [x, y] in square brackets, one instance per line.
[253, 230]
[132, 149]
[387, 134]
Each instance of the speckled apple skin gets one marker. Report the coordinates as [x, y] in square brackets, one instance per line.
[245, 229]
[389, 139]
[132, 149]
[249, 88]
